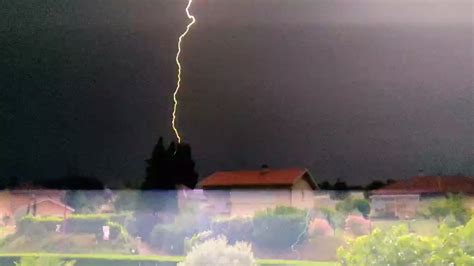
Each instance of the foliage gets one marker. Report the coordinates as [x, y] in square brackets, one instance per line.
[144, 224]
[218, 252]
[83, 223]
[363, 206]
[117, 231]
[345, 206]
[340, 190]
[453, 246]
[334, 218]
[357, 225]
[452, 209]
[85, 202]
[37, 227]
[130, 225]
[89, 224]
[169, 238]
[319, 227]
[126, 200]
[167, 168]
[234, 229]
[279, 228]
[197, 239]
[43, 261]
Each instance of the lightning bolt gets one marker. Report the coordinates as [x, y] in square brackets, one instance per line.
[178, 83]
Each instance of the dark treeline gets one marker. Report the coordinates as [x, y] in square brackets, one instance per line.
[167, 168]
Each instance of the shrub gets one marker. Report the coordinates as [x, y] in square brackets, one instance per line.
[218, 252]
[144, 223]
[168, 238]
[47, 224]
[357, 225]
[396, 246]
[319, 227]
[120, 218]
[279, 228]
[130, 225]
[127, 200]
[117, 231]
[197, 239]
[235, 229]
[334, 218]
[363, 206]
[88, 224]
[453, 207]
[345, 206]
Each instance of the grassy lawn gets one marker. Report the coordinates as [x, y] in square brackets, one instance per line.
[116, 257]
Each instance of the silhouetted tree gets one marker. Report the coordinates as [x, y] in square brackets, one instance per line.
[340, 190]
[376, 184]
[325, 185]
[166, 169]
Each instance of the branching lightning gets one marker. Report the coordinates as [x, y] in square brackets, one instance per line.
[178, 83]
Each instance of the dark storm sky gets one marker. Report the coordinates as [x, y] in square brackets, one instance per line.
[353, 89]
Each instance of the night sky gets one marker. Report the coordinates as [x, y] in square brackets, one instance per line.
[357, 90]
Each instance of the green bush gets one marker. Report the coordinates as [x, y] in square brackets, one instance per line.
[279, 228]
[120, 218]
[218, 252]
[82, 223]
[117, 231]
[197, 239]
[87, 224]
[334, 218]
[363, 206]
[453, 246]
[48, 224]
[234, 229]
[169, 238]
[144, 224]
[452, 210]
[130, 225]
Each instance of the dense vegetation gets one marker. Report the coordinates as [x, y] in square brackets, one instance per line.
[397, 246]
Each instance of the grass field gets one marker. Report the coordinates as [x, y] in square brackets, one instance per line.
[138, 258]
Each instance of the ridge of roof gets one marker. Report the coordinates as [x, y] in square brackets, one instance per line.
[256, 178]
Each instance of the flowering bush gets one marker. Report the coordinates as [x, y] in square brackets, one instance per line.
[219, 253]
[357, 225]
[319, 227]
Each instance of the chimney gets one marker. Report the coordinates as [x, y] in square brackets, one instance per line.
[264, 169]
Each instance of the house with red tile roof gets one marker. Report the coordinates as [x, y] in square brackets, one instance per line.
[402, 198]
[242, 193]
[14, 204]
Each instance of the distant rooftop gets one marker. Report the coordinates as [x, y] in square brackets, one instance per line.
[429, 185]
[265, 177]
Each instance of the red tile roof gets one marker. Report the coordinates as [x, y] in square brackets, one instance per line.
[258, 178]
[429, 184]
